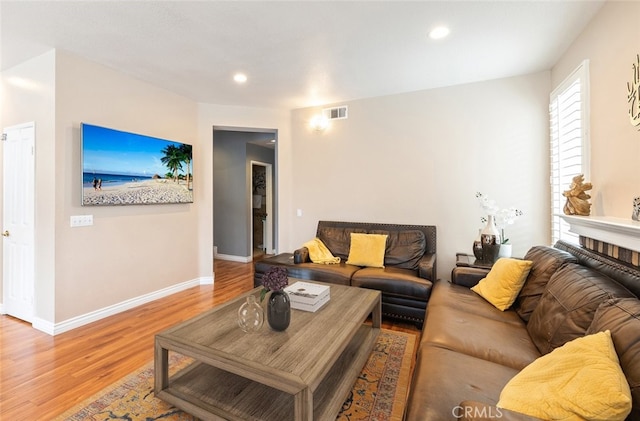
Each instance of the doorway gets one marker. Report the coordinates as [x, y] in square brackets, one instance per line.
[236, 153]
[261, 208]
[18, 224]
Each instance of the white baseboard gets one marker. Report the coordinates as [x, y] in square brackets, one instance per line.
[206, 280]
[67, 325]
[46, 326]
[232, 258]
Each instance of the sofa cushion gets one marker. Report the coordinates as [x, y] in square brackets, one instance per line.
[393, 281]
[367, 250]
[580, 380]
[503, 282]
[404, 248]
[337, 240]
[445, 293]
[622, 317]
[446, 378]
[461, 320]
[500, 341]
[546, 261]
[567, 306]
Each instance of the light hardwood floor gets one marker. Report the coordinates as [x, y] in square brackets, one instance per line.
[41, 376]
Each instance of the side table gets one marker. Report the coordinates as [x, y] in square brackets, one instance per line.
[469, 260]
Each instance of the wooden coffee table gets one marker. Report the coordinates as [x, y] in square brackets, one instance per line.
[303, 373]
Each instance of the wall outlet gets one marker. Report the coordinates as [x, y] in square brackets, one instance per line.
[81, 220]
[299, 212]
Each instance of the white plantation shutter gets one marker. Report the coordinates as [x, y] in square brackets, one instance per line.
[569, 123]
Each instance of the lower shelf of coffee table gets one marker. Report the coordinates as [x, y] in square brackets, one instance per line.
[210, 393]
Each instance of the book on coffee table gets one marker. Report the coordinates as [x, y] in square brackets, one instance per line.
[307, 296]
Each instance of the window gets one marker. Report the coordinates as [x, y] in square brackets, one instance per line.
[569, 124]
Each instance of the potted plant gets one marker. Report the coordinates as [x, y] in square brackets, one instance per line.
[278, 304]
[498, 218]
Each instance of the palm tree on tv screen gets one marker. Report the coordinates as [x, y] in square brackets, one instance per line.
[172, 159]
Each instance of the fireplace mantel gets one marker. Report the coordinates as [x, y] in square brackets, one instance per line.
[619, 231]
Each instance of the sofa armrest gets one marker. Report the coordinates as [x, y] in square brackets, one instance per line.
[478, 411]
[467, 276]
[301, 255]
[427, 267]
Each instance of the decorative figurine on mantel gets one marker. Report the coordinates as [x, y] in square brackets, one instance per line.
[636, 209]
[577, 199]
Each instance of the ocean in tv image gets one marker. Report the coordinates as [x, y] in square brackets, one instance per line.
[110, 179]
[122, 168]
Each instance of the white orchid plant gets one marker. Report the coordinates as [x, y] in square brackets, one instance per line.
[503, 217]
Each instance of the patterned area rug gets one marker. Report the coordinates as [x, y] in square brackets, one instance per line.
[379, 394]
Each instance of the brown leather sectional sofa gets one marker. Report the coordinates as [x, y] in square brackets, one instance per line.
[469, 349]
[405, 281]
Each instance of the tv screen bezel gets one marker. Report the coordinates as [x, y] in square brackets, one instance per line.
[132, 186]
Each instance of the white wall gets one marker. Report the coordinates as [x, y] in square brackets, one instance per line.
[416, 158]
[610, 42]
[420, 157]
[28, 94]
[130, 251]
[411, 158]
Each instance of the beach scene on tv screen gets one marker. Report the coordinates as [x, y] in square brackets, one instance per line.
[121, 168]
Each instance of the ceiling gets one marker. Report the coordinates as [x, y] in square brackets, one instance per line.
[298, 53]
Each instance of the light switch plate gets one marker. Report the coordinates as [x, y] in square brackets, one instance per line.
[81, 220]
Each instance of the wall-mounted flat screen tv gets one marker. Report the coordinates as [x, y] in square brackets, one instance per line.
[121, 168]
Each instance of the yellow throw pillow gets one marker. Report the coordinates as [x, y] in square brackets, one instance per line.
[503, 282]
[367, 250]
[580, 380]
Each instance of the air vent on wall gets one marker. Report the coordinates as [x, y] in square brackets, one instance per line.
[336, 113]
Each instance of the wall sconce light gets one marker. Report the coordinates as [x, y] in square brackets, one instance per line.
[319, 123]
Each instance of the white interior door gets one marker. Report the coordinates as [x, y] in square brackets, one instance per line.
[18, 221]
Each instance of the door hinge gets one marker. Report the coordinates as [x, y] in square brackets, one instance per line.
[4, 137]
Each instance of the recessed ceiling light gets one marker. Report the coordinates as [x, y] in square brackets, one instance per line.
[439, 32]
[240, 77]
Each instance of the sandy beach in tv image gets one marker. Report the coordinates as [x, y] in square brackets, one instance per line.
[120, 168]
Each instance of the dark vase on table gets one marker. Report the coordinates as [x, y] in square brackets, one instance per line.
[278, 310]
[477, 246]
[490, 237]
